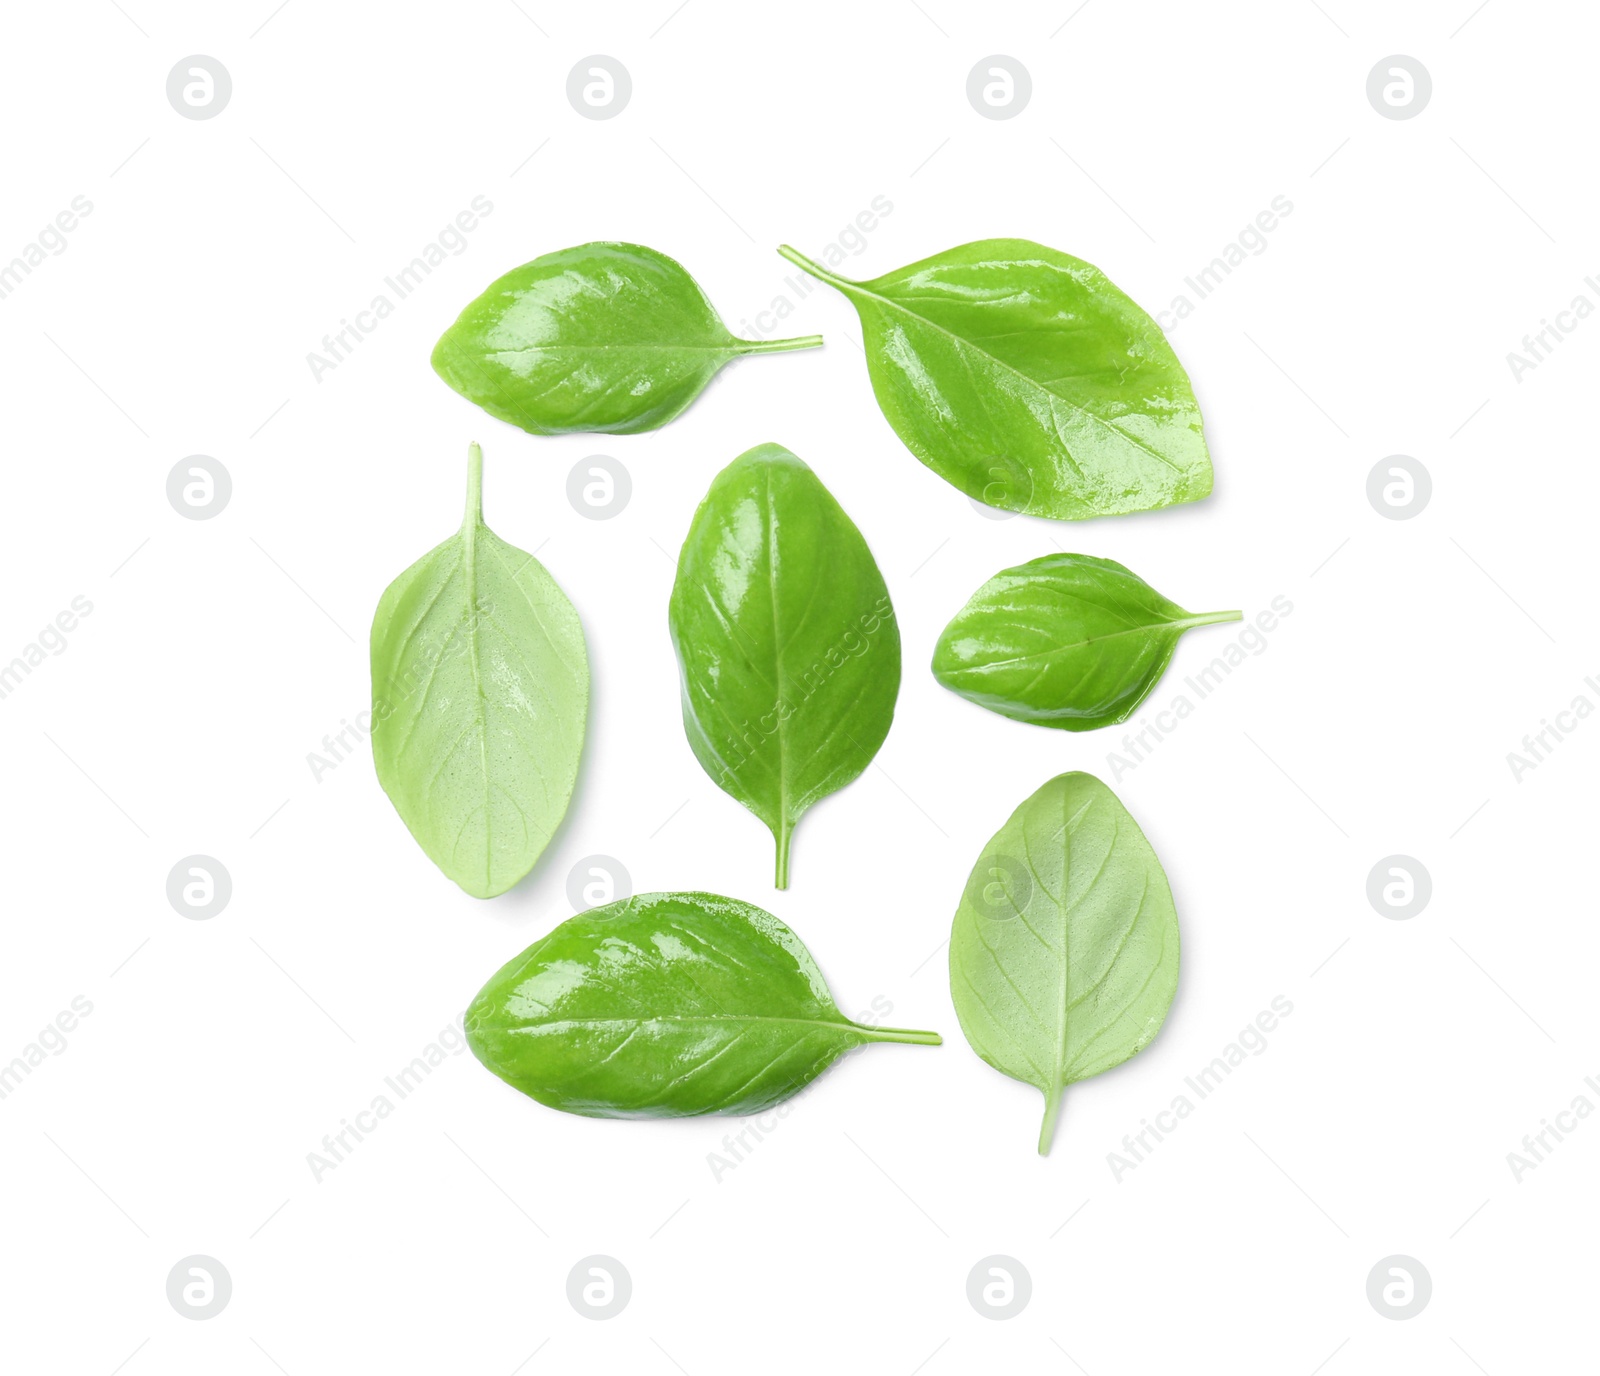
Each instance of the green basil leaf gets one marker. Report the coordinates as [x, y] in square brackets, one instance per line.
[786, 639]
[603, 339]
[1021, 375]
[480, 693]
[663, 1006]
[1064, 951]
[1068, 640]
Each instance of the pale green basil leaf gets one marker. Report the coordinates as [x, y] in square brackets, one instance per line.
[662, 1006]
[1064, 951]
[1067, 640]
[480, 693]
[786, 639]
[604, 338]
[1021, 375]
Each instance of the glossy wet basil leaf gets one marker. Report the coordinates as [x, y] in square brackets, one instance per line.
[603, 338]
[787, 643]
[663, 1006]
[1068, 640]
[480, 693]
[1022, 376]
[1064, 951]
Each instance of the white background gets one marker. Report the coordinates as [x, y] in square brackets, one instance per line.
[219, 653]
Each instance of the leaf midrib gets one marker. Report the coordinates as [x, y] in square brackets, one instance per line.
[848, 287]
[480, 706]
[1183, 624]
[602, 348]
[777, 656]
[1068, 829]
[844, 1025]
